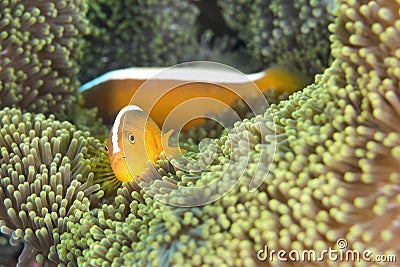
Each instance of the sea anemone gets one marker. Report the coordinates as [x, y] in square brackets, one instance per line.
[283, 32]
[334, 174]
[39, 47]
[136, 33]
[45, 181]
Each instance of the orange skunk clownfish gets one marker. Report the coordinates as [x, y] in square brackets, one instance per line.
[114, 90]
[134, 139]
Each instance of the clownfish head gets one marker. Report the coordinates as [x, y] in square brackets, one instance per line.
[134, 140]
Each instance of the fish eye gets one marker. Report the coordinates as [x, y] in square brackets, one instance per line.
[106, 148]
[131, 138]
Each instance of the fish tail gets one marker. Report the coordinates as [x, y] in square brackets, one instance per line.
[282, 79]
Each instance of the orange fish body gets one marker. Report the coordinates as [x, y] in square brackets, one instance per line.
[111, 94]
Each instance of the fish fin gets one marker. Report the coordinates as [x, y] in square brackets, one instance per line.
[170, 144]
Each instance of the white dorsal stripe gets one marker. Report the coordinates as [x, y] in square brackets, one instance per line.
[122, 74]
[181, 74]
[117, 123]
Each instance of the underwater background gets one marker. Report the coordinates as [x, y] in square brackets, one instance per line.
[335, 173]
